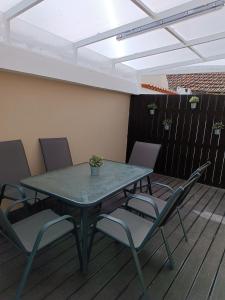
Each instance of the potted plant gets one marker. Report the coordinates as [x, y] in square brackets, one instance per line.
[167, 123]
[194, 100]
[95, 163]
[217, 127]
[152, 108]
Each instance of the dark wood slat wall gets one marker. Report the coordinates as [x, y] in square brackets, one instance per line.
[190, 141]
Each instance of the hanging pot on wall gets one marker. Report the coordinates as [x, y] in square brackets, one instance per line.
[217, 131]
[193, 105]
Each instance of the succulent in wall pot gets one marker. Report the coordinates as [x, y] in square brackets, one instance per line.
[217, 127]
[167, 123]
[95, 163]
[194, 100]
[152, 108]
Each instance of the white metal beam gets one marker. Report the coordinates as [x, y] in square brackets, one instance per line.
[191, 43]
[181, 64]
[110, 33]
[20, 8]
[116, 31]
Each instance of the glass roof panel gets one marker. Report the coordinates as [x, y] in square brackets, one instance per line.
[204, 25]
[76, 20]
[158, 60]
[148, 41]
[7, 4]
[160, 5]
[212, 48]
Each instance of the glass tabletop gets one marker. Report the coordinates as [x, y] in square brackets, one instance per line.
[76, 185]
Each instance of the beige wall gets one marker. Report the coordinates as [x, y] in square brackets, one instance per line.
[95, 121]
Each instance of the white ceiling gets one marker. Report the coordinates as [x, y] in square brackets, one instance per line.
[53, 26]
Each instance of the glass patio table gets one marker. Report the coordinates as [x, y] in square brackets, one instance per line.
[75, 186]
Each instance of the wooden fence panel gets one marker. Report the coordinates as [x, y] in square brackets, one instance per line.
[190, 141]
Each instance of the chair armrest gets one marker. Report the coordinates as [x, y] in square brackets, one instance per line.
[148, 200]
[121, 223]
[7, 211]
[163, 185]
[49, 224]
[14, 186]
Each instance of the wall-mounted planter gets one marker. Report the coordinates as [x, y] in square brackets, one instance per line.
[217, 127]
[167, 124]
[151, 112]
[217, 131]
[193, 105]
[167, 127]
[151, 108]
[194, 102]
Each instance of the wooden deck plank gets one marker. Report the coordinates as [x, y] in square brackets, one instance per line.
[186, 273]
[205, 278]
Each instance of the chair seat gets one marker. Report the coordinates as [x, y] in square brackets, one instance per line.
[28, 229]
[139, 227]
[146, 208]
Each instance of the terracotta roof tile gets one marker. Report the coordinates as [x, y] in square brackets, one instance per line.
[203, 82]
[157, 89]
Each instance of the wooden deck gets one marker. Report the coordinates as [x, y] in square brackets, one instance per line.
[200, 264]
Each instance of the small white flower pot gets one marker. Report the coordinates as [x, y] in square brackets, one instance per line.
[217, 131]
[193, 105]
[95, 171]
[167, 127]
[151, 112]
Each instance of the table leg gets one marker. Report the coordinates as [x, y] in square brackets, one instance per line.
[84, 239]
[149, 185]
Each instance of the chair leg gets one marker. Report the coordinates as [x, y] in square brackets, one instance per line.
[149, 189]
[141, 185]
[167, 248]
[91, 243]
[25, 275]
[139, 271]
[182, 225]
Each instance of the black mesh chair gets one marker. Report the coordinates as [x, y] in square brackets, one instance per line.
[34, 233]
[134, 231]
[143, 155]
[141, 206]
[13, 168]
[56, 153]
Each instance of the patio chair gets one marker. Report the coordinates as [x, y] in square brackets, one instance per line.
[14, 168]
[56, 153]
[143, 208]
[144, 155]
[134, 231]
[34, 233]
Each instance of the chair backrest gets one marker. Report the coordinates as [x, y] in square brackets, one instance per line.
[8, 230]
[144, 154]
[172, 203]
[56, 153]
[200, 170]
[13, 162]
[176, 199]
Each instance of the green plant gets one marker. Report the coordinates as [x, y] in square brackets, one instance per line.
[218, 125]
[152, 106]
[194, 99]
[167, 122]
[96, 161]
